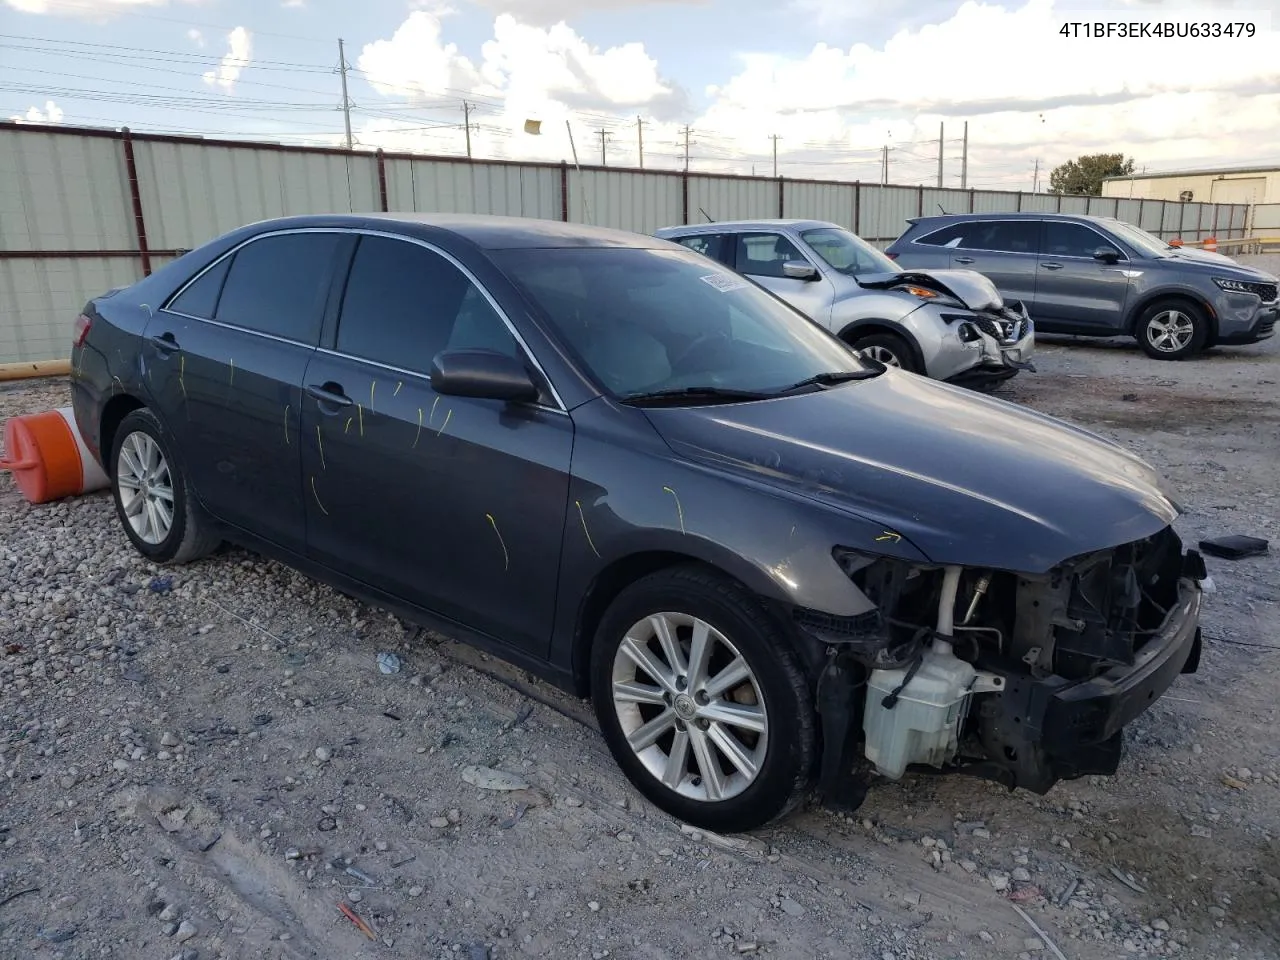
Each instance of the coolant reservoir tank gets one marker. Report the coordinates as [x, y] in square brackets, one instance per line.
[922, 724]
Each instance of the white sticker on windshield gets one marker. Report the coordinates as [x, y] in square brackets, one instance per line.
[725, 282]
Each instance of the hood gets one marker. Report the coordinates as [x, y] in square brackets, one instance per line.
[1217, 265]
[967, 479]
[1195, 253]
[969, 287]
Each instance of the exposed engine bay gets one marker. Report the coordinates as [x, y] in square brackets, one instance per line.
[1021, 679]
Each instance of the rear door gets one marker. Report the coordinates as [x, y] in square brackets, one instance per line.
[1075, 289]
[1005, 251]
[761, 256]
[455, 504]
[224, 362]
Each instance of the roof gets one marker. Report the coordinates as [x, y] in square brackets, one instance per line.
[483, 231]
[1011, 215]
[1213, 172]
[768, 224]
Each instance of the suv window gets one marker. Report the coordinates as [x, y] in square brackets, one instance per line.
[1001, 236]
[707, 244]
[1063, 239]
[278, 285]
[200, 299]
[763, 254]
[404, 304]
[944, 237]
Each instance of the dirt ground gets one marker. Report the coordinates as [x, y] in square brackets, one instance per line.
[189, 767]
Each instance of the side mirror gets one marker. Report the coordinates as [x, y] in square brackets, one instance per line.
[482, 373]
[799, 270]
[1106, 255]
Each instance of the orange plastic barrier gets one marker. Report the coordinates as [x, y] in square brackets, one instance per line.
[1210, 244]
[48, 457]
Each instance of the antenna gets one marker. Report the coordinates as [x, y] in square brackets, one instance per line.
[705, 214]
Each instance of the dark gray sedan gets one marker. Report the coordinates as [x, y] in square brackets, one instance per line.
[1099, 276]
[602, 456]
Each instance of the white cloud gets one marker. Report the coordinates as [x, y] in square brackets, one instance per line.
[295, 4]
[546, 13]
[52, 113]
[196, 37]
[239, 47]
[1028, 93]
[86, 9]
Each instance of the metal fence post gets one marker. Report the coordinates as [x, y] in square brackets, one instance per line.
[382, 179]
[564, 190]
[857, 206]
[140, 225]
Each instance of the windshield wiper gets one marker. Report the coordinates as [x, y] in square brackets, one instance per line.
[714, 394]
[829, 379]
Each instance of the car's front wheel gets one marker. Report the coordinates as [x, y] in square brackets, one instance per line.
[886, 348]
[1172, 329]
[702, 700]
[153, 499]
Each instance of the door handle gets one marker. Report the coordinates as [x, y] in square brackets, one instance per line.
[964, 259]
[165, 342]
[1052, 266]
[330, 393]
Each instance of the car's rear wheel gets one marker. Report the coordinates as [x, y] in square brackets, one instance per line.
[1172, 329]
[886, 348]
[702, 700]
[152, 496]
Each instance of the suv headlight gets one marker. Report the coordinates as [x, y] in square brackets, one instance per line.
[1235, 286]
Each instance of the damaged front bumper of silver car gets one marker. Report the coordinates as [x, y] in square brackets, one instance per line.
[1000, 345]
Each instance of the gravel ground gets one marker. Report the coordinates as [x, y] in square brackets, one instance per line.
[206, 761]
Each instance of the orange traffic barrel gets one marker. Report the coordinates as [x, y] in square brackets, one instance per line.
[1175, 242]
[1211, 244]
[48, 457]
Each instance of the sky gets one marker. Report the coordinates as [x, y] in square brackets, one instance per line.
[834, 81]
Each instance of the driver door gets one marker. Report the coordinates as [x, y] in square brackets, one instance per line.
[761, 256]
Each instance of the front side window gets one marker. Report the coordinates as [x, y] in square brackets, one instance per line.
[404, 304]
[1142, 241]
[847, 253]
[707, 244]
[278, 285]
[643, 320]
[1063, 239]
[763, 254]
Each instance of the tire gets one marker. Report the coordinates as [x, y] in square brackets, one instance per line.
[1180, 326]
[148, 453]
[883, 346]
[773, 695]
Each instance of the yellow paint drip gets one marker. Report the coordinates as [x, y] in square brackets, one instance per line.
[320, 444]
[417, 435]
[360, 417]
[286, 426]
[317, 496]
[399, 384]
[679, 509]
[506, 558]
[583, 517]
[447, 415]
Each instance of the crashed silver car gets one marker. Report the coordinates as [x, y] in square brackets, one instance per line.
[951, 325]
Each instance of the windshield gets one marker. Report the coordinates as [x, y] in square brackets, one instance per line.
[1144, 242]
[848, 253]
[648, 320]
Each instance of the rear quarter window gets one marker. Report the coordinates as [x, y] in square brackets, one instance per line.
[200, 298]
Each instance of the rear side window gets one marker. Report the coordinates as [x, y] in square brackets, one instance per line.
[947, 236]
[707, 244]
[278, 285]
[1002, 236]
[200, 299]
[404, 304]
[1063, 239]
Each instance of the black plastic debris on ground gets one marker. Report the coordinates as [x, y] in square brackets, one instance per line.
[160, 584]
[1234, 547]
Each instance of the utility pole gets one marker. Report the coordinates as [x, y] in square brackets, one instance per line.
[346, 101]
[1035, 182]
[775, 138]
[964, 159]
[942, 142]
[640, 139]
[884, 165]
[466, 122]
[686, 148]
[603, 134]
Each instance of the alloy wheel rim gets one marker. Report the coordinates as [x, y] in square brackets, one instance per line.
[1170, 331]
[145, 485]
[690, 707]
[881, 354]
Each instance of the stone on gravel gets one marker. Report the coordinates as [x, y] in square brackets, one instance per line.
[791, 908]
[186, 930]
[487, 778]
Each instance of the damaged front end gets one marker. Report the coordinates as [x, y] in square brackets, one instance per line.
[1021, 679]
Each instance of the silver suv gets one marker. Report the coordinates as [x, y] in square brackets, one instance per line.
[949, 324]
[1098, 276]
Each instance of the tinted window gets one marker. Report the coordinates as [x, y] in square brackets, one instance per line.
[404, 304]
[1002, 236]
[278, 285]
[1063, 239]
[200, 299]
[707, 244]
[763, 254]
[644, 320]
[945, 236]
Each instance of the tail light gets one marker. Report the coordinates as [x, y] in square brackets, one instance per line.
[81, 330]
[892, 256]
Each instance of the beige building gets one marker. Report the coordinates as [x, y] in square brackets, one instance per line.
[1252, 186]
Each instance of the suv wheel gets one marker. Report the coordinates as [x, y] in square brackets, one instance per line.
[886, 348]
[1172, 329]
[702, 700]
[152, 494]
